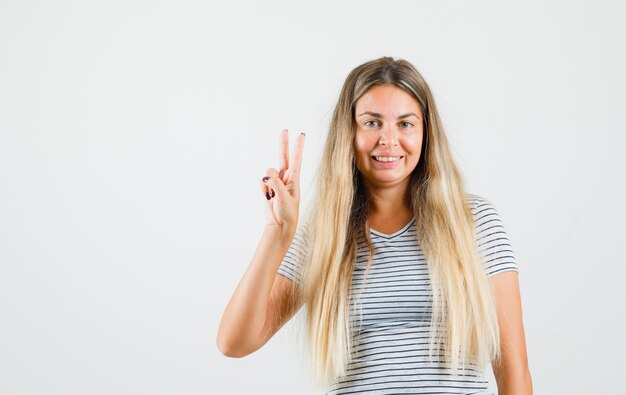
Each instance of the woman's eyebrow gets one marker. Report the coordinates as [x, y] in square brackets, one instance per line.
[375, 114]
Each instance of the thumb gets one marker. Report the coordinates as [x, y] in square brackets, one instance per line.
[276, 185]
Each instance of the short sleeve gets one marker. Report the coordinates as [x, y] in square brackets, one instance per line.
[492, 240]
[293, 262]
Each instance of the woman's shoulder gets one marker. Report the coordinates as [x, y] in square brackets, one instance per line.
[491, 236]
[480, 205]
[473, 201]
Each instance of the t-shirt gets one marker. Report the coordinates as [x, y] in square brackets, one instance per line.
[391, 340]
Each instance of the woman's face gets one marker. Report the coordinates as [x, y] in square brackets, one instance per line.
[389, 124]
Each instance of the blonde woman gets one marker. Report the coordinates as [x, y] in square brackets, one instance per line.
[409, 282]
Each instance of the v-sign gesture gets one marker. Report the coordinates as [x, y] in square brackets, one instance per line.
[282, 187]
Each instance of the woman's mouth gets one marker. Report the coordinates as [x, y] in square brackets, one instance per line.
[387, 161]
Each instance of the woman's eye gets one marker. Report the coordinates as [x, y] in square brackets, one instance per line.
[407, 123]
[369, 122]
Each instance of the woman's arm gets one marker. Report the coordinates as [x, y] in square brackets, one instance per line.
[248, 322]
[513, 374]
[245, 317]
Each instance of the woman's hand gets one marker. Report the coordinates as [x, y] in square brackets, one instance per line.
[282, 187]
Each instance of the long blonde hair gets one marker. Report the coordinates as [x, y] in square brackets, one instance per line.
[337, 216]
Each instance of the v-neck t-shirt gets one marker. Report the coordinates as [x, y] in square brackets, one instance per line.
[395, 307]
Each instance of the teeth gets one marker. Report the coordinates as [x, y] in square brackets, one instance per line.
[386, 158]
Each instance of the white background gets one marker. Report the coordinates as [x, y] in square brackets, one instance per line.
[133, 136]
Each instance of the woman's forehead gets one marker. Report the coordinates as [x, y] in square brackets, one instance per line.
[387, 100]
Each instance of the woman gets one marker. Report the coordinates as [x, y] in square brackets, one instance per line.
[410, 283]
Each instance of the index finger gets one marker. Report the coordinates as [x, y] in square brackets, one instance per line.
[296, 158]
[283, 151]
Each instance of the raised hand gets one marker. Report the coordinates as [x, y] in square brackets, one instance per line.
[282, 187]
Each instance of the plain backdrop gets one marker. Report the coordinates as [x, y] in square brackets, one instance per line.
[133, 135]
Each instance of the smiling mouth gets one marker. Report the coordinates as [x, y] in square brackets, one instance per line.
[386, 160]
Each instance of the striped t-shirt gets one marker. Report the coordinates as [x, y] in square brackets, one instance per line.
[391, 352]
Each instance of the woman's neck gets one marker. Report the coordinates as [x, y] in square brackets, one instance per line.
[390, 205]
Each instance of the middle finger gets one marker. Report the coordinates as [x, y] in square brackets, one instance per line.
[296, 159]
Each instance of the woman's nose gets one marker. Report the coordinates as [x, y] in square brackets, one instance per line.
[388, 136]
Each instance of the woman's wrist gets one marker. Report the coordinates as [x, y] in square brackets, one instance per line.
[282, 234]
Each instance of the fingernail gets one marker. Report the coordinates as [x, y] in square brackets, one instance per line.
[273, 194]
[267, 195]
[265, 178]
[304, 134]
